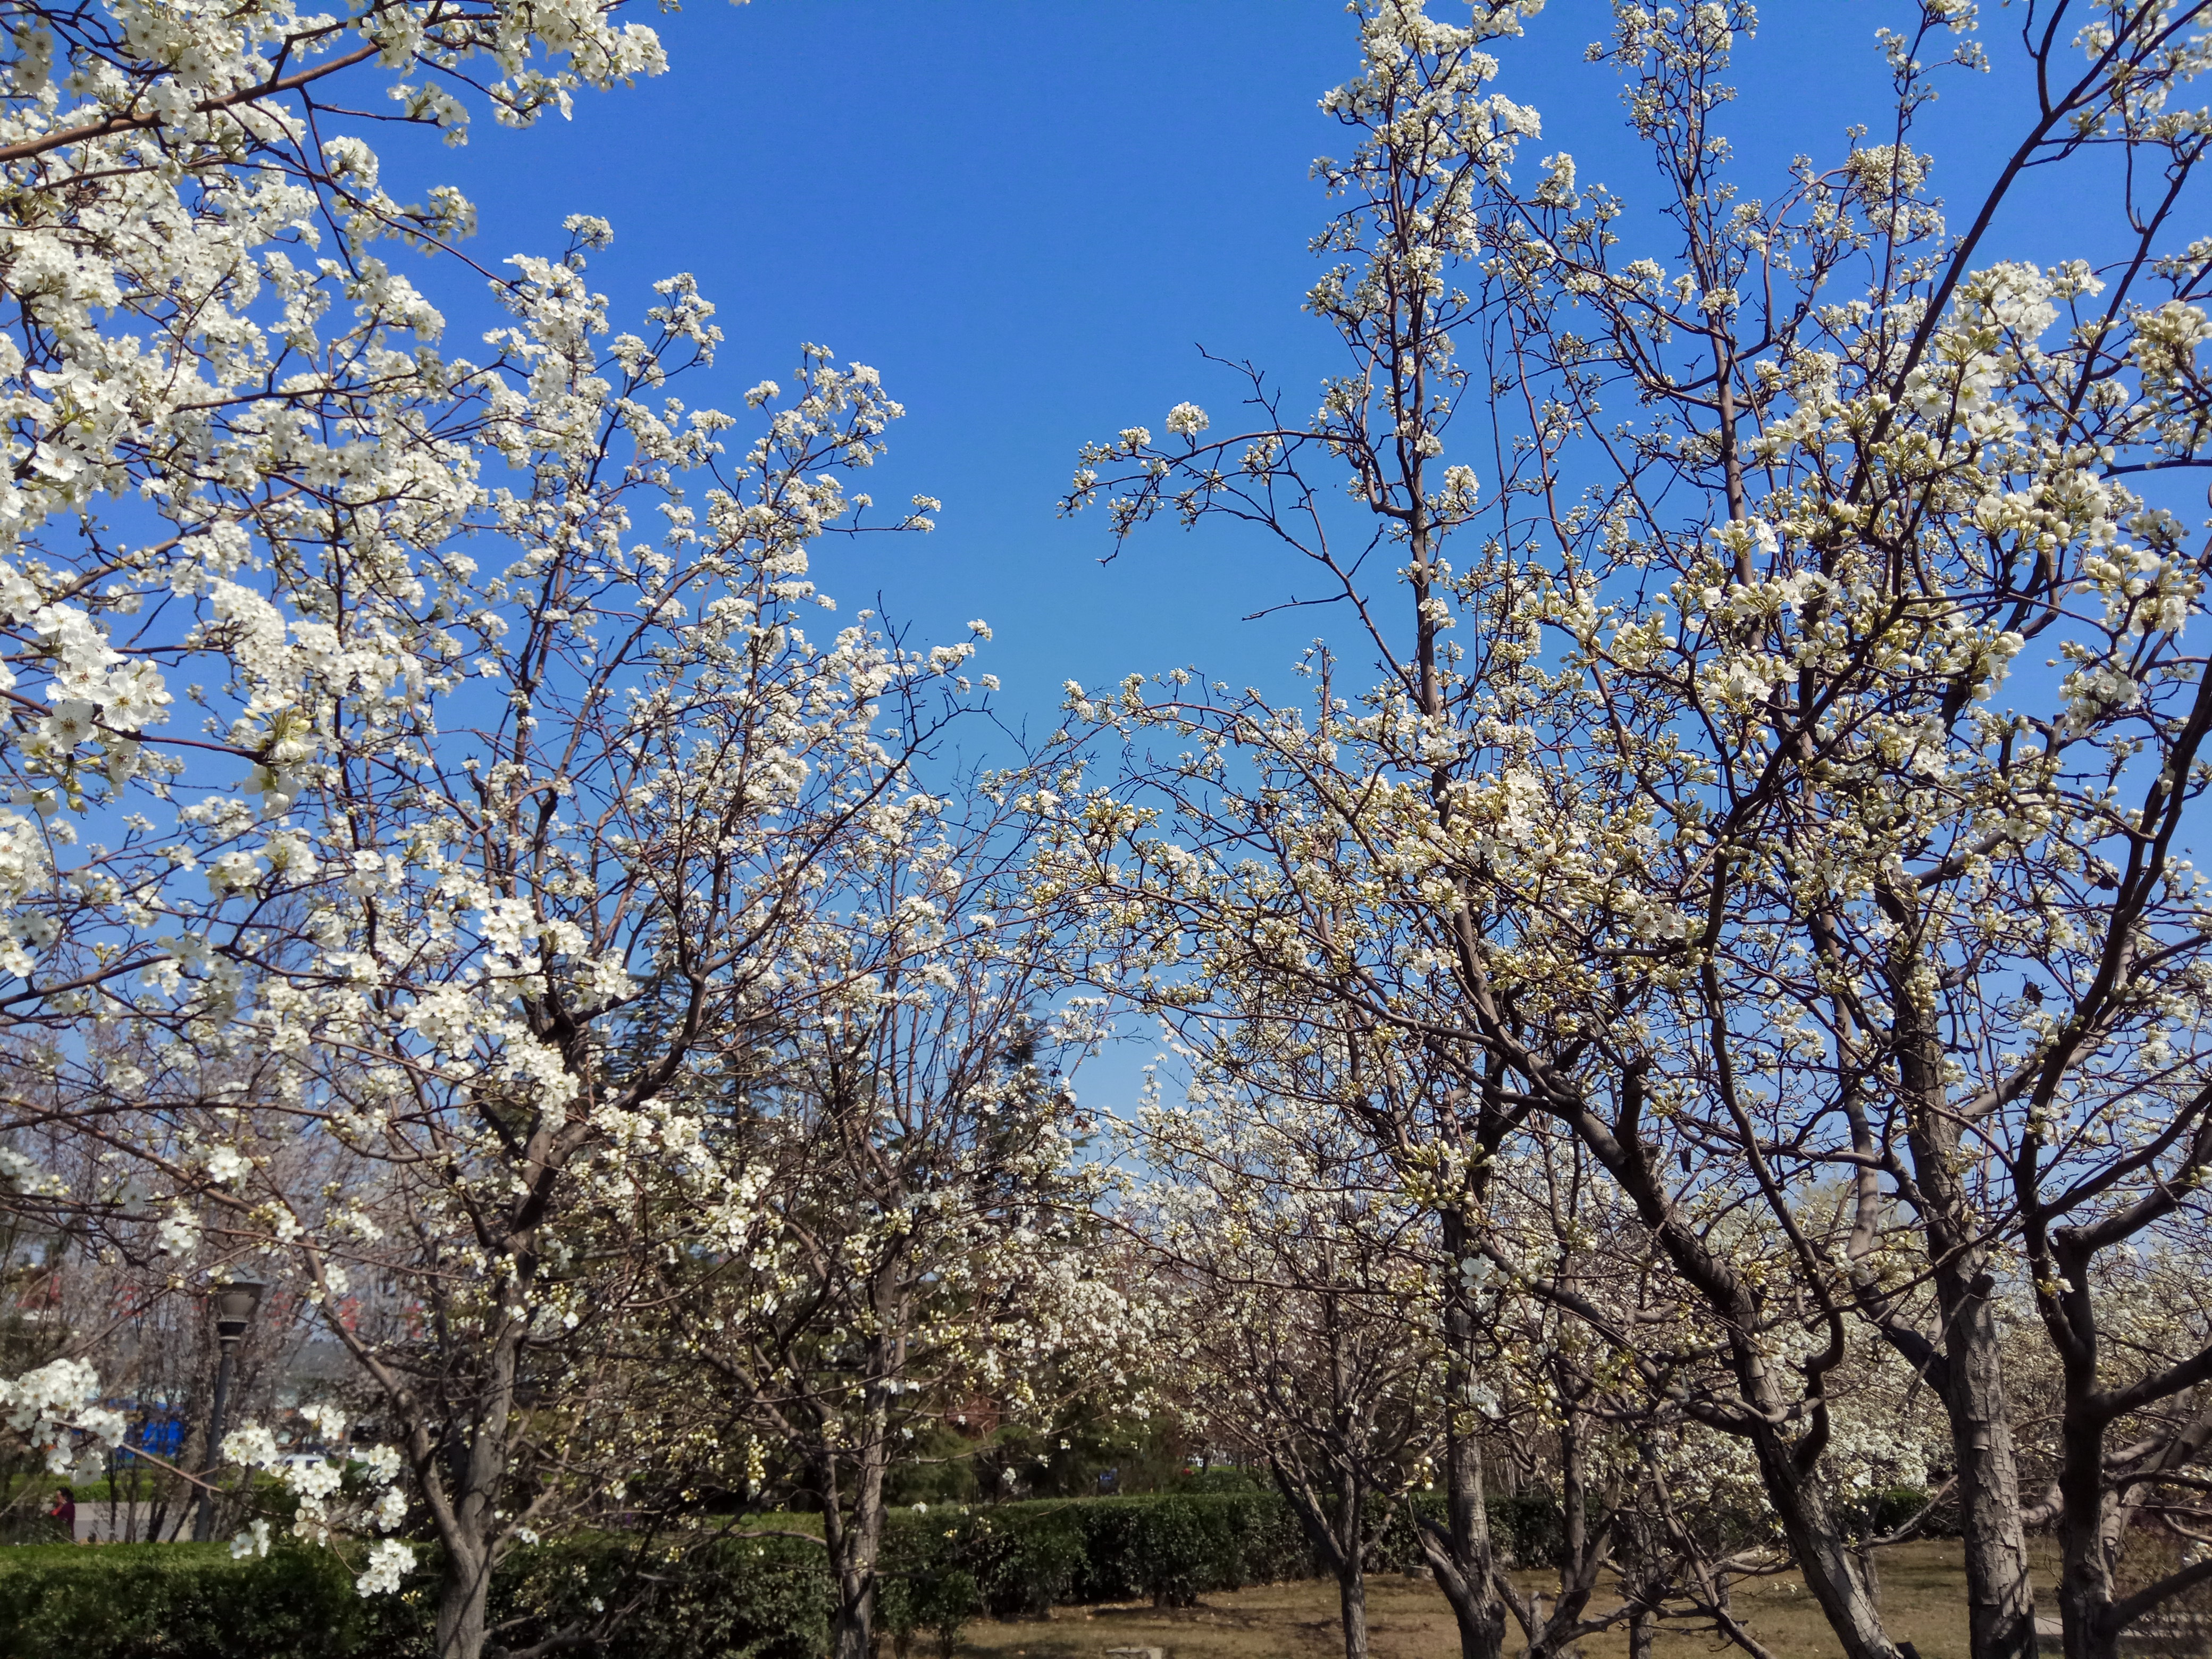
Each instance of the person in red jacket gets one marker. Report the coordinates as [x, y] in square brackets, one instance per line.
[64, 1512]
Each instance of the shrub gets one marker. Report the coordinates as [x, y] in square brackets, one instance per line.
[740, 1598]
[1528, 1528]
[1223, 1478]
[176, 1602]
[1182, 1550]
[735, 1598]
[1026, 1557]
[940, 1600]
[925, 1581]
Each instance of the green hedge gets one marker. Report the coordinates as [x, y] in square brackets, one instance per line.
[1025, 1557]
[741, 1597]
[175, 1601]
[736, 1599]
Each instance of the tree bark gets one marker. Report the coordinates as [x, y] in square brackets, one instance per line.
[2000, 1601]
[470, 1523]
[1339, 1538]
[1459, 1554]
[1581, 1557]
[1352, 1600]
[463, 1596]
[1970, 1381]
[856, 1538]
[2085, 1553]
[1816, 1544]
[2088, 1533]
[852, 1627]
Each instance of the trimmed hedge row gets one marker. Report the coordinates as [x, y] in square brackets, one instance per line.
[735, 1598]
[741, 1597]
[1027, 1557]
[175, 1601]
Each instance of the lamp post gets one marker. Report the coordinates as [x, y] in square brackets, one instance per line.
[235, 1304]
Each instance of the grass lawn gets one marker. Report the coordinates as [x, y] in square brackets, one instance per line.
[1921, 1595]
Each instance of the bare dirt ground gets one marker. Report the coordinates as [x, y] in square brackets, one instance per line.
[1922, 1591]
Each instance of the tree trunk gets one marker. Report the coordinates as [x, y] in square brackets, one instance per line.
[1816, 1544]
[468, 1524]
[1351, 1497]
[851, 1632]
[1351, 1599]
[2085, 1596]
[2000, 1604]
[1581, 1558]
[853, 1629]
[1461, 1556]
[2087, 1543]
[462, 1599]
[1639, 1633]
[1339, 1538]
[466, 1589]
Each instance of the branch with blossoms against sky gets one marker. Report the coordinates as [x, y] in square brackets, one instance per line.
[1414, 185]
[205, 364]
[323, 1506]
[57, 1409]
[1716, 803]
[1950, 485]
[388, 896]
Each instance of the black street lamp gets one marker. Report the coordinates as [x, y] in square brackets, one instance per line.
[235, 1304]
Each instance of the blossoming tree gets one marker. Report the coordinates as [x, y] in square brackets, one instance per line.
[1295, 1319]
[603, 765]
[913, 1229]
[473, 756]
[1713, 804]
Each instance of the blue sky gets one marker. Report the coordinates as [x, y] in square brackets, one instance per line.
[1027, 216]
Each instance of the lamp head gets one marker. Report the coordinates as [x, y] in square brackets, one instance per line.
[235, 1304]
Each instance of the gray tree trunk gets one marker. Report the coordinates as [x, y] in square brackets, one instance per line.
[468, 1521]
[463, 1596]
[2000, 1601]
[1461, 1557]
[1351, 1600]
[857, 1541]
[2088, 1521]
[1581, 1557]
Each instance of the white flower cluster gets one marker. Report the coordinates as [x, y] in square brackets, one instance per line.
[56, 1408]
[318, 1485]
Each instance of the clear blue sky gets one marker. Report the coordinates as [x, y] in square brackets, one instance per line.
[1025, 215]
